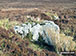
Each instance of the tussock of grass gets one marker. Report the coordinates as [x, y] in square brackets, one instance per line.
[67, 42]
[35, 47]
[51, 15]
[61, 41]
[5, 23]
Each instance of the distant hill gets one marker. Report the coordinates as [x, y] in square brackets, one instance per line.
[33, 3]
[51, 1]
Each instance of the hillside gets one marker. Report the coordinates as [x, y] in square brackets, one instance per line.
[35, 3]
[51, 1]
[37, 27]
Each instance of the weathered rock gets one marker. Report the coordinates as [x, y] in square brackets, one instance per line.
[47, 32]
[37, 29]
[50, 29]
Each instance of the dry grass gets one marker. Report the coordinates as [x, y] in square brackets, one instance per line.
[5, 23]
[61, 42]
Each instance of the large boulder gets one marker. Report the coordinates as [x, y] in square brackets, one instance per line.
[44, 29]
[47, 32]
[51, 33]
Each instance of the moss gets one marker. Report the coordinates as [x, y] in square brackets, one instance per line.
[35, 47]
[3, 45]
[29, 36]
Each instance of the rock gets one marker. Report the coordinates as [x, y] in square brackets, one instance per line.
[47, 32]
[19, 30]
[35, 30]
[50, 29]
[43, 29]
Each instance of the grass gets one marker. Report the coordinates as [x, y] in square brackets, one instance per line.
[5, 23]
[51, 15]
[35, 47]
[61, 42]
[68, 40]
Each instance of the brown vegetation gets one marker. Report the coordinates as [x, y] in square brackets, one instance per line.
[12, 45]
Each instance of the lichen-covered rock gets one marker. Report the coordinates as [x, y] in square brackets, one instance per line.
[50, 29]
[48, 32]
[37, 29]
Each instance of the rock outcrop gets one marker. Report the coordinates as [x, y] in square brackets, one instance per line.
[47, 32]
[37, 29]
